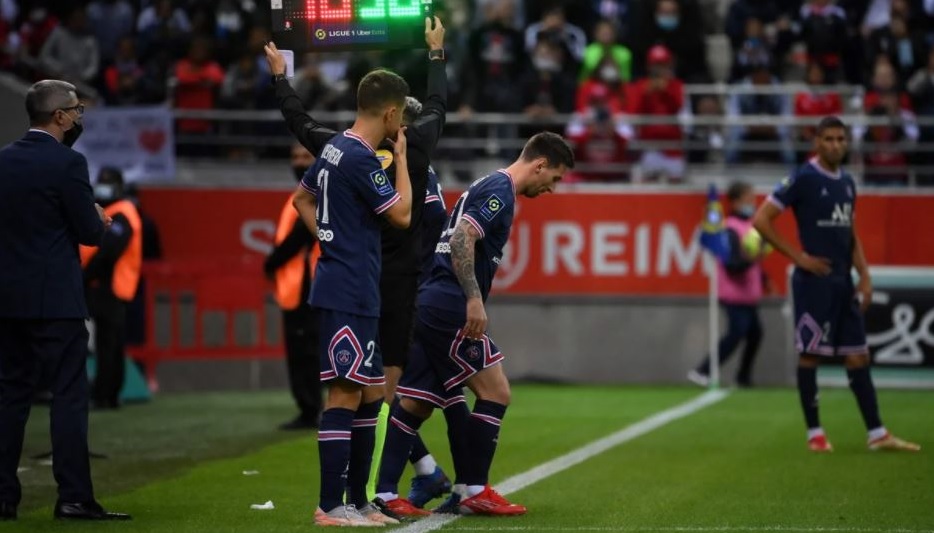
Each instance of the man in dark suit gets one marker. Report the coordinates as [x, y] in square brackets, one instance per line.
[46, 210]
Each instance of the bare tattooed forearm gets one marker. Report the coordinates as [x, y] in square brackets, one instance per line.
[462, 257]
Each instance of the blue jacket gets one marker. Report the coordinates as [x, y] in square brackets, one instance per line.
[46, 210]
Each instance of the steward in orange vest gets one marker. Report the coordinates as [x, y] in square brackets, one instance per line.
[111, 275]
[290, 266]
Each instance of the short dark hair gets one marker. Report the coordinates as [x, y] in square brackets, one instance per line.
[110, 174]
[379, 89]
[737, 189]
[552, 147]
[829, 123]
[45, 97]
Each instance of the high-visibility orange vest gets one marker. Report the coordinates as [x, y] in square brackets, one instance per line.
[290, 276]
[127, 268]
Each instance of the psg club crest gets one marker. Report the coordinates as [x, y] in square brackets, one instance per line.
[344, 357]
[473, 353]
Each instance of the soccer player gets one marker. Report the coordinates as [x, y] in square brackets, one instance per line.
[341, 199]
[828, 308]
[451, 345]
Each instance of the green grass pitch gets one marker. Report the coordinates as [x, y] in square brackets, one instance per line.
[740, 465]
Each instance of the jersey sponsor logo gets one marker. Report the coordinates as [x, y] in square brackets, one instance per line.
[491, 207]
[842, 216]
[384, 157]
[443, 248]
[325, 235]
[381, 182]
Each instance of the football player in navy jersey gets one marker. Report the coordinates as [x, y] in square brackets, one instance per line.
[341, 199]
[451, 347]
[828, 306]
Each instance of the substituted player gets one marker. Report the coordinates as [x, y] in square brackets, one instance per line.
[451, 346]
[341, 199]
[828, 307]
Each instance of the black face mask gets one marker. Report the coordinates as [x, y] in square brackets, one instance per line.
[71, 136]
[299, 172]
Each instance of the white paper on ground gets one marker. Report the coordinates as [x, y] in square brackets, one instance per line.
[268, 506]
[251, 472]
[21, 469]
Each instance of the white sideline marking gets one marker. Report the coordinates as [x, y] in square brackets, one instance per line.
[701, 529]
[559, 464]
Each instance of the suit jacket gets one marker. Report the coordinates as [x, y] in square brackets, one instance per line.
[46, 210]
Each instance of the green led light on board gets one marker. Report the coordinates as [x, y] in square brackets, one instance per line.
[381, 9]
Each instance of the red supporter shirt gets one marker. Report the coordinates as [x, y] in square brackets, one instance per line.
[196, 90]
[667, 102]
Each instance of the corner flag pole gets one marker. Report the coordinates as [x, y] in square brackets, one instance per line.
[713, 321]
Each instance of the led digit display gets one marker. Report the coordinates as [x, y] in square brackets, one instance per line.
[326, 25]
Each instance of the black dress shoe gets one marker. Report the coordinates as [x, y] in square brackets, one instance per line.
[86, 511]
[7, 511]
[299, 424]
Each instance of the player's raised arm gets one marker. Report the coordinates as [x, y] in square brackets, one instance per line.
[426, 130]
[400, 214]
[763, 222]
[463, 249]
[306, 130]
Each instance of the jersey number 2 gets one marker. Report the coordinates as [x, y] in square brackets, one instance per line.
[371, 346]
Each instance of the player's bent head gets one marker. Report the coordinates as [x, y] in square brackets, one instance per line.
[413, 108]
[549, 156]
[382, 93]
[830, 123]
[46, 98]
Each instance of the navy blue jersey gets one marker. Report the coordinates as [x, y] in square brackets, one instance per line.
[489, 206]
[352, 190]
[824, 204]
[433, 218]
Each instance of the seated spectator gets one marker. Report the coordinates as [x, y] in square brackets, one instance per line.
[884, 153]
[71, 52]
[746, 103]
[36, 29]
[675, 25]
[921, 89]
[814, 103]
[706, 139]
[616, 12]
[599, 145]
[547, 88]
[111, 20]
[244, 84]
[123, 78]
[198, 78]
[758, 39]
[883, 89]
[497, 59]
[661, 94]
[154, 84]
[904, 49]
[823, 28]
[9, 44]
[554, 26]
[770, 13]
[605, 46]
[161, 25]
[311, 87]
[604, 87]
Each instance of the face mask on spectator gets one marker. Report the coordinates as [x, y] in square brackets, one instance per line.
[609, 74]
[546, 64]
[667, 22]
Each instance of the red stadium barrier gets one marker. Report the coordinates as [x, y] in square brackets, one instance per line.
[207, 308]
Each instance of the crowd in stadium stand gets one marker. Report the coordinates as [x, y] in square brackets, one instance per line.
[598, 59]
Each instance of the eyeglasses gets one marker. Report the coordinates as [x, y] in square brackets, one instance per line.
[79, 108]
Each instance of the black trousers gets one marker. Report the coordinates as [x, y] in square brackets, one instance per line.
[46, 354]
[109, 313]
[301, 337]
[743, 324]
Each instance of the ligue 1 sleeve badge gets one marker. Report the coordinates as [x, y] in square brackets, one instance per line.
[491, 207]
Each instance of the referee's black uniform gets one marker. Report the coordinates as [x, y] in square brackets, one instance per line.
[401, 247]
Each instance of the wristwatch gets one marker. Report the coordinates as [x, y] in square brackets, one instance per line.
[436, 55]
[277, 78]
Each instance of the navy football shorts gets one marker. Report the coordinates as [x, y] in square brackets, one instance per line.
[348, 348]
[442, 359]
[828, 320]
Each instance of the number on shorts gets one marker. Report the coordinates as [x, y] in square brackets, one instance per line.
[371, 346]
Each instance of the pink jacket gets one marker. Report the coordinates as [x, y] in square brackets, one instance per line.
[744, 288]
